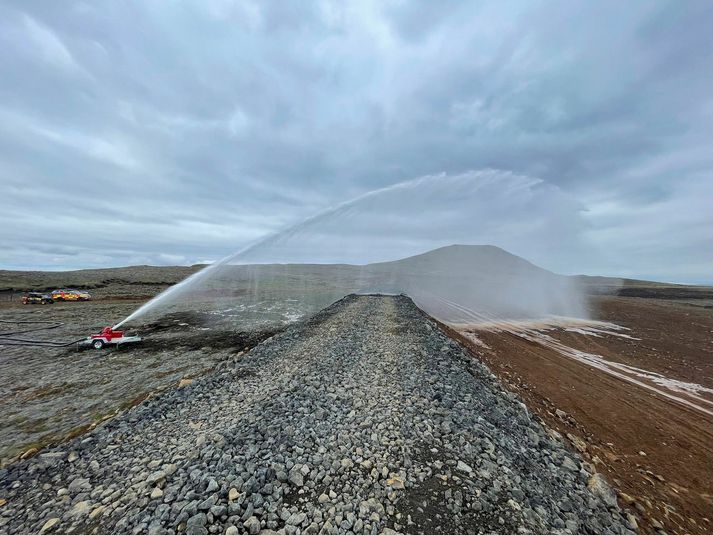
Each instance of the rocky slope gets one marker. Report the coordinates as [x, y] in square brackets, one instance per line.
[364, 420]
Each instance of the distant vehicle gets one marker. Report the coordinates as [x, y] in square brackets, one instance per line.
[34, 298]
[71, 295]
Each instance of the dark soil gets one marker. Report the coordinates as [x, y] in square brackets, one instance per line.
[49, 394]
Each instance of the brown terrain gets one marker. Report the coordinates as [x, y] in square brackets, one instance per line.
[653, 439]
[635, 398]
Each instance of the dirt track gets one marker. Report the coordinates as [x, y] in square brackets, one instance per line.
[656, 451]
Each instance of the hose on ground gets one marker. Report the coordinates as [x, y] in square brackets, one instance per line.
[31, 330]
[7, 338]
[41, 343]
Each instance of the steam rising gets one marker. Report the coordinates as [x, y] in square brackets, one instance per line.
[375, 243]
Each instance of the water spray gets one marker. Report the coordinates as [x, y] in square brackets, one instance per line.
[351, 247]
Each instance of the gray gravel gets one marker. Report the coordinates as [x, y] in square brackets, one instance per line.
[364, 420]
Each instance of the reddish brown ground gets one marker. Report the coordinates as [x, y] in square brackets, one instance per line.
[671, 481]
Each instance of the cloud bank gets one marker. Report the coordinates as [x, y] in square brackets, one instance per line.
[171, 133]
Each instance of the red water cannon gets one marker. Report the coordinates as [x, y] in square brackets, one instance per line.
[109, 335]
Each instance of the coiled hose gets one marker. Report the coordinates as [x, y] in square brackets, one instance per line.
[7, 338]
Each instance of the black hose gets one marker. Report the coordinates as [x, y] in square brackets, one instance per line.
[7, 336]
[47, 325]
[11, 333]
[22, 322]
[37, 343]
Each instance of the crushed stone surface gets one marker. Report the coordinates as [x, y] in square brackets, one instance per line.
[366, 419]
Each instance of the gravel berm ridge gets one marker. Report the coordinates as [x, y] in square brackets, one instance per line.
[365, 419]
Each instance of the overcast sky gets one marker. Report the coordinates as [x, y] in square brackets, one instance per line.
[177, 132]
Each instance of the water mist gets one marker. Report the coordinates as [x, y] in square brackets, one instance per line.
[374, 243]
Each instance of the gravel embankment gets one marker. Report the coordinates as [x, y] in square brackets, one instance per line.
[364, 420]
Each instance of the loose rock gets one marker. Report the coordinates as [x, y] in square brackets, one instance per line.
[365, 419]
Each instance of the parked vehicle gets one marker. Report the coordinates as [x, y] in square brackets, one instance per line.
[70, 295]
[34, 298]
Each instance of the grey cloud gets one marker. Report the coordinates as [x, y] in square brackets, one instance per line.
[229, 120]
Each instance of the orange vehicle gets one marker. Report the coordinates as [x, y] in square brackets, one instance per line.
[70, 295]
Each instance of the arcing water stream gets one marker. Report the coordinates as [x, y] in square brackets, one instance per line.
[354, 247]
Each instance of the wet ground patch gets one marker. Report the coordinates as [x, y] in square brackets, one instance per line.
[50, 394]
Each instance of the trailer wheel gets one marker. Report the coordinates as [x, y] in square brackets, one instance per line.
[98, 344]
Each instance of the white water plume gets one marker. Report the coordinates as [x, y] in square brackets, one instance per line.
[362, 246]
